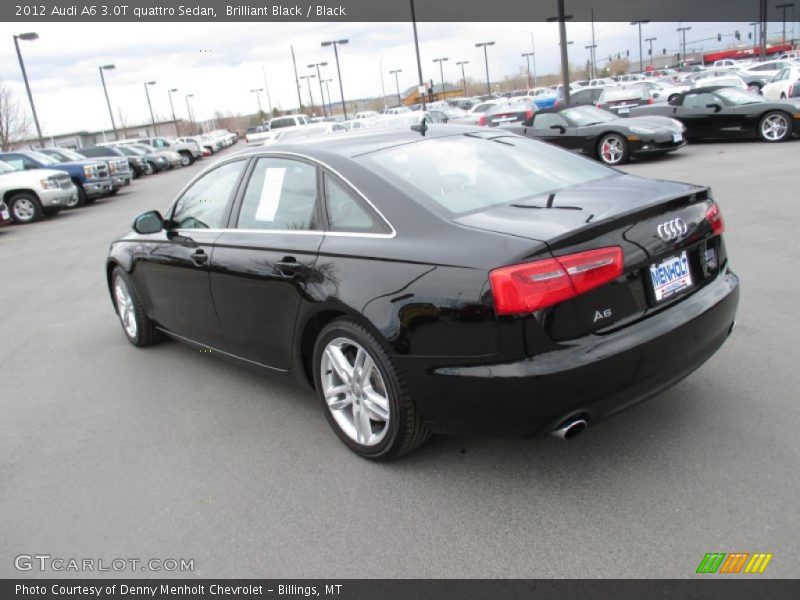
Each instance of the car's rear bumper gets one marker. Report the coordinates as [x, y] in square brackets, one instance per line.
[593, 377]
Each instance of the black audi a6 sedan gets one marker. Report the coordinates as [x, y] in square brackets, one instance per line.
[441, 279]
[603, 135]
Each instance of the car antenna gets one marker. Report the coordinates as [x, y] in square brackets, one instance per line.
[421, 127]
[550, 199]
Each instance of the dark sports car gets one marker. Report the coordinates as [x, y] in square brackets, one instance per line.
[441, 279]
[723, 113]
[603, 135]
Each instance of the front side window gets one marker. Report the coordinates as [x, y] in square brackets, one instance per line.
[459, 174]
[699, 100]
[281, 195]
[548, 120]
[203, 205]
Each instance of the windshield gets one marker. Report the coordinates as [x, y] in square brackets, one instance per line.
[6, 168]
[739, 97]
[474, 171]
[42, 158]
[587, 115]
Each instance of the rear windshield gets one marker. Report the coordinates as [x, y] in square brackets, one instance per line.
[459, 174]
[623, 93]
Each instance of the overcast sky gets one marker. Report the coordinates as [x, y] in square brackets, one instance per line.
[221, 62]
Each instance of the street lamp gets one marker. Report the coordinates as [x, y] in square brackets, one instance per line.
[319, 78]
[397, 84]
[562, 35]
[651, 40]
[336, 44]
[108, 102]
[527, 57]
[308, 79]
[189, 111]
[533, 56]
[172, 108]
[150, 106]
[486, 60]
[461, 64]
[441, 72]
[258, 99]
[640, 23]
[783, 7]
[328, 91]
[682, 32]
[28, 37]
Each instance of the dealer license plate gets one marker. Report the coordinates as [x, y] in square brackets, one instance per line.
[5, 214]
[623, 110]
[671, 277]
[677, 137]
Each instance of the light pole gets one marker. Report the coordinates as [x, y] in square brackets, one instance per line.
[783, 7]
[108, 102]
[591, 48]
[651, 40]
[416, 49]
[383, 87]
[328, 91]
[308, 79]
[258, 99]
[28, 37]
[562, 34]
[461, 64]
[533, 56]
[640, 23]
[336, 44]
[172, 108]
[397, 84]
[682, 32]
[189, 112]
[149, 105]
[486, 60]
[319, 78]
[266, 90]
[527, 57]
[441, 72]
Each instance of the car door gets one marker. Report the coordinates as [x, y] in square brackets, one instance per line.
[262, 263]
[176, 262]
[697, 116]
[553, 128]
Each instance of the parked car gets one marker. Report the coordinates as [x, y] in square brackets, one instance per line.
[724, 113]
[764, 71]
[287, 121]
[150, 162]
[442, 281]
[118, 168]
[504, 114]
[544, 97]
[30, 194]
[90, 177]
[603, 135]
[588, 95]
[136, 165]
[188, 151]
[629, 78]
[252, 131]
[780, 86]
[620, 99]
[664, 91]
[473, 115]
[173, 158]
[608, 81]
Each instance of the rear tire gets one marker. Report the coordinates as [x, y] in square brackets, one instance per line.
[186, 158]
[613, 149]
[368, 404]
[775, 126]
[25, 208]
[136, 325]
[151, 168]
[754, 87]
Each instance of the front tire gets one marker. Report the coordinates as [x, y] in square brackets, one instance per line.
[137, 326]
[775, 126]
[25, 208]
[613, 149]
[363, 394]
[187, 159]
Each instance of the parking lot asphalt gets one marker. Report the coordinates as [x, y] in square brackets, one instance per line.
[109, 451]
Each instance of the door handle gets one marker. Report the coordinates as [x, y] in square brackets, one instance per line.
[199, 257]
[287, 267]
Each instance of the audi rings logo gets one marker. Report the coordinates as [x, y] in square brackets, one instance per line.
[672, 230]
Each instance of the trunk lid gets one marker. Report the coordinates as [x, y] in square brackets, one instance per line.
[658, 224]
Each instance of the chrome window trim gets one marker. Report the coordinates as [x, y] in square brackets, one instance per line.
[293, 232]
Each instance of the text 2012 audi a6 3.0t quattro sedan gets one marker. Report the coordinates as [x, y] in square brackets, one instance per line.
[444, 279]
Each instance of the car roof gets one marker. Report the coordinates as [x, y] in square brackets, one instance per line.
[361, 141]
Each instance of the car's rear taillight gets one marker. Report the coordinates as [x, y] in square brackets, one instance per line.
[528, 287]
[714, 217]
[528, 115]
[482, 120]
[651, 101]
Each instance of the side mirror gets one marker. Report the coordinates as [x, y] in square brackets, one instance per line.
[673, 101]
[149, 222]
[656, 95]
[715, 106]
[561, 128]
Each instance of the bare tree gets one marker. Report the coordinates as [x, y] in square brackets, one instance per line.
[14, 122]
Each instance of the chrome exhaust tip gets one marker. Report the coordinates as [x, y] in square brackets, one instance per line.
[569, 429]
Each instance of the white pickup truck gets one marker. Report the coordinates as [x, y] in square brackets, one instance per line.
[32, 193]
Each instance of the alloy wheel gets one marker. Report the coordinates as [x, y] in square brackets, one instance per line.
[611, 150]
[125, 309]
[355, 391]
[774, 127]
[24, 210]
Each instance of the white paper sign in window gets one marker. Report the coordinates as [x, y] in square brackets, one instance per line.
[270, 194]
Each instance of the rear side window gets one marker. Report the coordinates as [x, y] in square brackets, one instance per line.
[281, 195]
[203, 205]
[278, 123]
[345, 212]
